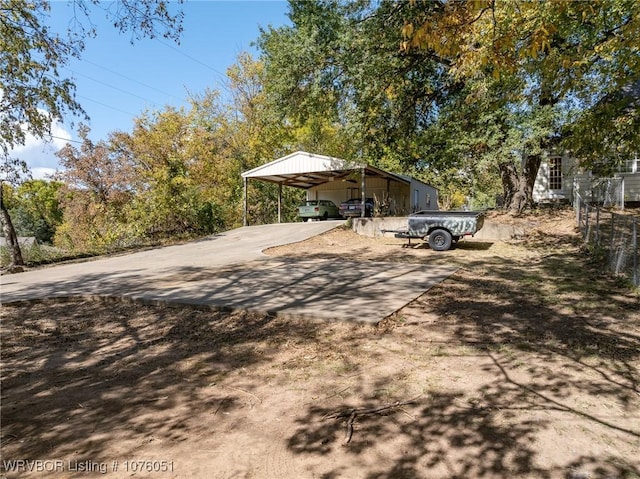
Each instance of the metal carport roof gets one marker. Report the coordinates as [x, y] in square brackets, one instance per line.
[305, 170]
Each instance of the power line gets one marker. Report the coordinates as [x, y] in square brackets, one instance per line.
[108, 106]
[111, 86]
[130, 79]
[190, 57]
[65, 139]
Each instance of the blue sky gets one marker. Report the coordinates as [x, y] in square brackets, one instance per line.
[116, 81]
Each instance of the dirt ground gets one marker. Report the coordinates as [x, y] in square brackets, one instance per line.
[523, 364]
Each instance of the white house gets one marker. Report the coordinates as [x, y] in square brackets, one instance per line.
[337, 180]
[559, 176]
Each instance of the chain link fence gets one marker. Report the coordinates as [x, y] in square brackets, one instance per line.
[615, 235]
[608, 192]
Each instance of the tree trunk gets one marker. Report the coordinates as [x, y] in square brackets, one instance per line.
[518, 187]
[529, 175]
[510, 181]
[12, 239]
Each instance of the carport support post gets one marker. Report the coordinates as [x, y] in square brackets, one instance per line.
[244, 203]
[279, 202]
[364, 193]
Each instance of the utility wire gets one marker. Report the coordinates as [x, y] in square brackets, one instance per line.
[65, 139]
[190, 57]
[129, 78]
[111, 86]
[108, 106]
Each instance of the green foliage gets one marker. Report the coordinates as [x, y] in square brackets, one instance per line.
[96, 195]
[570, 45]
[339, 64]
[34, 208]
[166, 179]
[263, 203]
[573, 61]
[34, 255]
[35, 93]
[458, 93]
[210, 218]
[177, 174]
[467, 96]
[607, 135]
[256, 134]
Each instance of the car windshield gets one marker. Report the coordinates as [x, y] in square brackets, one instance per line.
[309, 203]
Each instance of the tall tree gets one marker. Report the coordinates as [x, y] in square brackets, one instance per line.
[608, 134]
[392, 74]
[340, 61]
[260, 130]
[33, 91]
[10, 232]
[97, 191]
[159, 146]
[185, 179]
[36, 210]
[568, 56]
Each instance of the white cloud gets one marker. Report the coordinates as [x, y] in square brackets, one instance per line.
[42, 173]
[39, 154]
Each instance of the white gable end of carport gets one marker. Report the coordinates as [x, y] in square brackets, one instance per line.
[310, 171]
[299, 163]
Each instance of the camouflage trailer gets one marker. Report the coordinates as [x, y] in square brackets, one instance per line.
[441, 229]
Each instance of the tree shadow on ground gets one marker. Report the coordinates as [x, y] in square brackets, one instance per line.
[427, 433]
[549, 336]
[561, 342]
[78, 377]
[303, 287]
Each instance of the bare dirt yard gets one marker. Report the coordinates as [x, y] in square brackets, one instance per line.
[523, 364]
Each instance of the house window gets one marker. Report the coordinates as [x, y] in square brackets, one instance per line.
[555, 173]
[629, 166]
[416, 200]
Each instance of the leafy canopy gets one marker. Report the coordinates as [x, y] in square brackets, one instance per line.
[33, 91]
[581, 57]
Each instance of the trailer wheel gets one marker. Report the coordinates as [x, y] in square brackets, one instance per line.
[440, 240]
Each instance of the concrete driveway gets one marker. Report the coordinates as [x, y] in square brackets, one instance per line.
[230, 271]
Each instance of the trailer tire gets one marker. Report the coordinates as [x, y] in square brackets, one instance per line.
[440, 240]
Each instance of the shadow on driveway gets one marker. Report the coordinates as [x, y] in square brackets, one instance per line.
[320, 288]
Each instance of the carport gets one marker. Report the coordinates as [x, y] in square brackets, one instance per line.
[307, 170]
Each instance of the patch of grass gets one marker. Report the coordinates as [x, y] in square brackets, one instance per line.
[37, 255]
[34, 254]
[439, 351]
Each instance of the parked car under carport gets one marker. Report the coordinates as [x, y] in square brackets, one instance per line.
[318, 210]
[353, 207]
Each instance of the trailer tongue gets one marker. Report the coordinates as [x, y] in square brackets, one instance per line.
[440, 229]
